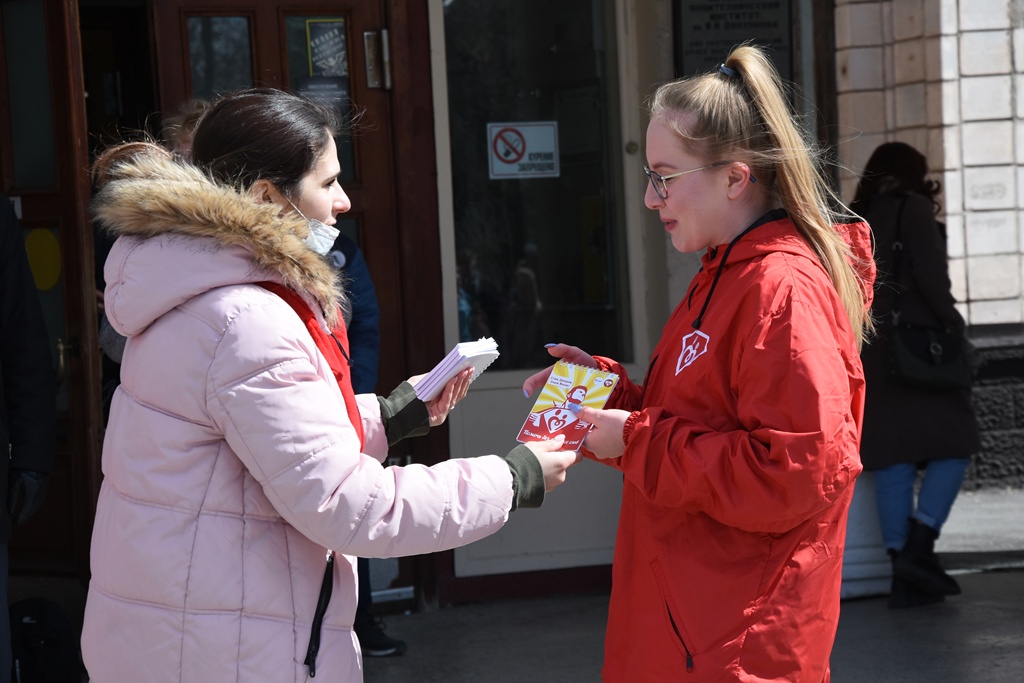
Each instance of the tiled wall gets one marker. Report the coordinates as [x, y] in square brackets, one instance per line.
[946, 76]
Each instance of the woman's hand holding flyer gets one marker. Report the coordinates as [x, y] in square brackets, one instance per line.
[605, 438]
[571, 354]
[568, 386]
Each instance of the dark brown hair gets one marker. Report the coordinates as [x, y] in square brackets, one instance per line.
[262, 134]
[895, 168]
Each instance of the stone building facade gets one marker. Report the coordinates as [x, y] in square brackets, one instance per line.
[947, 76]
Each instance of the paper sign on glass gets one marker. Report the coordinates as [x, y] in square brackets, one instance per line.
[568, 384]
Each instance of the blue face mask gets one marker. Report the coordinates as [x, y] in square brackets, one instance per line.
[321, 236]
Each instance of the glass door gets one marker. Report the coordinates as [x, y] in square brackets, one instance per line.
[540, 249]
[539, 242]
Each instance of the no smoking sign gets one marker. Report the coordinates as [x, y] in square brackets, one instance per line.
[523, 150]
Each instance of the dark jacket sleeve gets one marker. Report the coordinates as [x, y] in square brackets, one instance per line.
[364, 328]
[26, 367]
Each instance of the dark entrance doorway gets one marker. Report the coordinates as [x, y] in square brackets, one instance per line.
[106, 70]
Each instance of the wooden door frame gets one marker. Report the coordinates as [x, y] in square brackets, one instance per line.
[419, 239]
[418, 243]
[84, 380]
[66, 206]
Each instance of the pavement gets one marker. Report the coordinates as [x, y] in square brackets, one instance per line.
[976, 637]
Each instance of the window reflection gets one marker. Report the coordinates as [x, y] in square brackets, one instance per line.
[539, 259]
[24, 46]
[220, 54]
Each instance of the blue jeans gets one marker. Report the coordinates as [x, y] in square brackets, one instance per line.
[894, 495]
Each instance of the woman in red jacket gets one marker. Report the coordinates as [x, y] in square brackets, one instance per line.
[740, 449]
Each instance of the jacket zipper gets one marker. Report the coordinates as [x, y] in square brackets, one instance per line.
[326, 588]
[689, 657]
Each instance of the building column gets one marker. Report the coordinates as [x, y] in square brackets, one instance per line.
[867, 569]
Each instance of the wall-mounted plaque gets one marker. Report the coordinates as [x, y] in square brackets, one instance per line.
[707, 31]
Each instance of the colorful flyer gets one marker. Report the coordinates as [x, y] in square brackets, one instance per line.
[568, 384]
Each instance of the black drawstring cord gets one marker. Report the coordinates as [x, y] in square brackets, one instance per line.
[342, 349]
[718, 274]
[326, 588]
[773, 215]
[693, 287]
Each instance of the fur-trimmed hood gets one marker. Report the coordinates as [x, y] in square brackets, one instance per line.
[180, 234]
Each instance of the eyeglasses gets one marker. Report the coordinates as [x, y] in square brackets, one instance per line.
[659, 181]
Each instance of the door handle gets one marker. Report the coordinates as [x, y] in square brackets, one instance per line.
[63, 348]
[377, 54]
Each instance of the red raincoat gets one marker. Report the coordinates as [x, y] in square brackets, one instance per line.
[739, 470]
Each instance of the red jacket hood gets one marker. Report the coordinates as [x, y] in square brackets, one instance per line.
[776, 233]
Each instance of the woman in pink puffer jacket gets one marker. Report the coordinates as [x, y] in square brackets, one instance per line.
[241, 474]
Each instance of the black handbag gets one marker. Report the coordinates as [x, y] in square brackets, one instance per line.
[924, 357]
[929, 358]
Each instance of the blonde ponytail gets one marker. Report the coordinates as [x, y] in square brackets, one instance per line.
[741, 113]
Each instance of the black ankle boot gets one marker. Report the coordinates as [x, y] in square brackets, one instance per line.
[906, 594]
[918, 564]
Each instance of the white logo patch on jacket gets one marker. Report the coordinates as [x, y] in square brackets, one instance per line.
[695, 345]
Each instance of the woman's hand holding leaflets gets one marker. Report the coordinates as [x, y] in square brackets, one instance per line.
[571, 354]
[453, 392]
[605, 440]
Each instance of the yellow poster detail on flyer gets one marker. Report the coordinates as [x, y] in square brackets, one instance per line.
[568, 385]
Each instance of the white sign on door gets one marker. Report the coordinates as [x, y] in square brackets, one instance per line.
[523, 150]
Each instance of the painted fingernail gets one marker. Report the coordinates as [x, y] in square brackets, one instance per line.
[575, 408]
[548, 346]
[526, 393]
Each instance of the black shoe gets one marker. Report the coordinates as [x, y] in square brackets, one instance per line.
[905, 594]
[375, 643]
[918, 564]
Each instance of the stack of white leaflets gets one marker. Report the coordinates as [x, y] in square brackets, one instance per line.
[477, 354]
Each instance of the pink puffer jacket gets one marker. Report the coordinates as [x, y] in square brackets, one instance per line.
[230, 465]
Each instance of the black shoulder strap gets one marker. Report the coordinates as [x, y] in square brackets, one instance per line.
[897, 242]
[897, 261]
[898, 247]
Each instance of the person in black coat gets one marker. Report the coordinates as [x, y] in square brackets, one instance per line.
[28, 419]
[908, 430]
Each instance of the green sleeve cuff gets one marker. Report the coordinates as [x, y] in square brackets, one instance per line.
[403, 414]
[527, 478]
